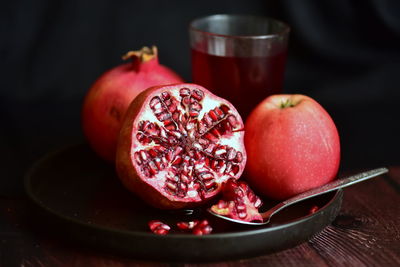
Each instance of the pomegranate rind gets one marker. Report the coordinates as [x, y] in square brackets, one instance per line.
[129, 171]
[109, 97]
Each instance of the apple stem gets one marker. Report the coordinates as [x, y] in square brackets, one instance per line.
[287, 104]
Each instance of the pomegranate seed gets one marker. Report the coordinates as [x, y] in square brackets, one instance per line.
[213, 115]
[214, 164]
[175, 115]
[220, 163]
[187, 225]
[222, 204]
[183, 187]
[170, 125]
[209, 184]
[197, 94]
[165, 95]
[258, 203]
[197, 186]
[168, 102]
[207, 121]
[185, 101]
[313, 209]
[153, 153]
[211, 137]
[202, 228]
[234, 170]
[230, 154]
[159, 164]
[219, 112]
[224, 108]
[228, 168]
[193, 113]
[144, 155]
[239, 157]
[207, 175]
[146, 140]
[232, 120]
[137, 158]
[172, 140]
[184, 92]
[242, 214]
[210, 148]
[172, 108]
[171, 186]
[226, 126]
[177, 160]
[140, 136]
[145, 171]
[185, 179]
[152, 168]
[220, 150]
[196, 106]
[154, 102]
[183, 225]
[216, 132]
[163, 116]
[241, 207]
[159, 227]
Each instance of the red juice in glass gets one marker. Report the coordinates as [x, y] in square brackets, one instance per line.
[239, 57]
[244, 81]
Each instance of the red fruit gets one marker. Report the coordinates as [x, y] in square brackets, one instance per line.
[202, 227]
[158, 227]
[238, 202]
[292, 146]
[187, 225]
[313, 209]
[178, 143]
[109, 97]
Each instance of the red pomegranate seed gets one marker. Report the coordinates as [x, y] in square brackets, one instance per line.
[313, 209]
[202, 228]
[158, 227]
[187, 225]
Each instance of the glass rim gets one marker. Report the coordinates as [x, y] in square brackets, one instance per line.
[285, 27]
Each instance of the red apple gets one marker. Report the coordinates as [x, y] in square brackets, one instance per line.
[292, 145]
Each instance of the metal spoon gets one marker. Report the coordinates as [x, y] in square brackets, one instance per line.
[334, 185]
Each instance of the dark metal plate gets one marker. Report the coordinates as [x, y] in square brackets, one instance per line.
[80, 198]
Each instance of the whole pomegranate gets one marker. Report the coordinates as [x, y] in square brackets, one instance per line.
[177, 144]
[292, 145]
[109, 97]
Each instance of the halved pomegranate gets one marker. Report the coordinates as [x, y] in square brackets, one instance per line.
[178, 143]
[238, 202]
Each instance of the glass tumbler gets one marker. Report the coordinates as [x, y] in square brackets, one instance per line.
[239, 57]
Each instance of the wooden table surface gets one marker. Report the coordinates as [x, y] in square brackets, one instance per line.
[365, 233]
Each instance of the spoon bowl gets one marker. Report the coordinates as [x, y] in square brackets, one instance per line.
[334, 185]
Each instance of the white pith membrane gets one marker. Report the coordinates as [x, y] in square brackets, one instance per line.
[187, 143]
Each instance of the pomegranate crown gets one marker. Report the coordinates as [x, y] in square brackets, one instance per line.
[144, 54]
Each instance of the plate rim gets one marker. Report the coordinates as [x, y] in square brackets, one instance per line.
[259, 229]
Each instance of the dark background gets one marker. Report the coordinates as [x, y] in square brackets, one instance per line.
[343, 53]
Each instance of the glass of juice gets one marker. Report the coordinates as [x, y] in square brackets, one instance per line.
[239, 57]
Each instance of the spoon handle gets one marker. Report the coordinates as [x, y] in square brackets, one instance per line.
[334, 185]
